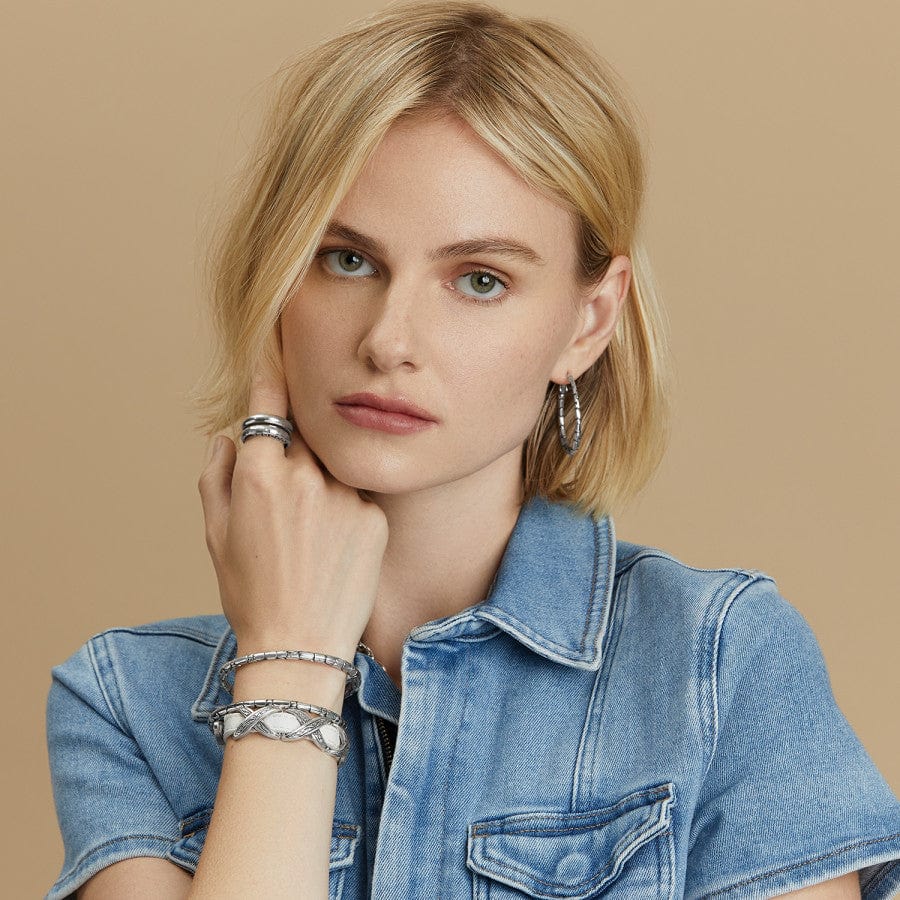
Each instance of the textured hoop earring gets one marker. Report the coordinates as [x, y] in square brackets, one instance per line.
[570, 449]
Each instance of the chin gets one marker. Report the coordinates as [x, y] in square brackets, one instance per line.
[373, 473]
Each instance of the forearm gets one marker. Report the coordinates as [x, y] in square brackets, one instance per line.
[270, 831]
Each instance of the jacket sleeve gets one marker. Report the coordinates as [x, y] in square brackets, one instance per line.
[109, 804]
[790, 797]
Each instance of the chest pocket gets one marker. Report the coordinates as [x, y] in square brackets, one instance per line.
[621, 851]
[344, 839]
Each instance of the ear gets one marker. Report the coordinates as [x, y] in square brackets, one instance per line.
[599, 311]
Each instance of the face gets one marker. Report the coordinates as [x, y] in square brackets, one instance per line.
[473, 336]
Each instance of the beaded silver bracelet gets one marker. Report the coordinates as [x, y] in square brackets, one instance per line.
[352, 673]
[282, 720]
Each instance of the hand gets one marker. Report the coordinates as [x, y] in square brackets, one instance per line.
[297, 553]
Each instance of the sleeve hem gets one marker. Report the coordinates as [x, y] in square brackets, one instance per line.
[105, 855]
[877, 860]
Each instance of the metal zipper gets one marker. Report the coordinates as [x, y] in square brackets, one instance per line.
[387, 748]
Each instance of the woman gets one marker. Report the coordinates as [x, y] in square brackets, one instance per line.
[432, 294]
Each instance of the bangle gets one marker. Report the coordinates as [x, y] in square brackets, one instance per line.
[352, 673]
[282, 720]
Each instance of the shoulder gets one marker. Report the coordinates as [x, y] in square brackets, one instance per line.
[167, 659]
[715, 624]
[660, 588]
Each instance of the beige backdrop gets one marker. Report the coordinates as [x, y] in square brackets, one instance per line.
[772, 212]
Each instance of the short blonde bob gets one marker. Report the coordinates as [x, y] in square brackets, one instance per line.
[554, 111]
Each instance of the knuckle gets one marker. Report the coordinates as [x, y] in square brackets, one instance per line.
[305, 478]
[254, 477]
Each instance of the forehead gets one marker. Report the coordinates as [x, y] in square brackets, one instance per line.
[434, 181]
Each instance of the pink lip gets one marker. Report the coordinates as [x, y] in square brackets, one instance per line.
[381, 420]
[386, 404]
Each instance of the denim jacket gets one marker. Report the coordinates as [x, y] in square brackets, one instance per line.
[609, 722]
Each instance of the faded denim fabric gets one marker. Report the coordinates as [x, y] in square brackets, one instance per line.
[609, 722]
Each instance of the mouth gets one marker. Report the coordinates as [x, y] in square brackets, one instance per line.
[394, 415]
[397, 405]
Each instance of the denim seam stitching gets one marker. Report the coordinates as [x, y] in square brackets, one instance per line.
[452, 757]
[88, 854]
[584, 749]
[713, 665]
[806, 862]
[587, 752]
[672, 864]
[589, 618]
[197, 821]
[198, 636]
[97, 645]
[656, 553]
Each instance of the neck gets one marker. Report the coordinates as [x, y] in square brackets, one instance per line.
[444, 547]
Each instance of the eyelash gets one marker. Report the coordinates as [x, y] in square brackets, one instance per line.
[488, 301]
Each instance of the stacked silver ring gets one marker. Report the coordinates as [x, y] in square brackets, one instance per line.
[267, 426]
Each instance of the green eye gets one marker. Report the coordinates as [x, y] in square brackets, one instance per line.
[348, 260]
[482, 282]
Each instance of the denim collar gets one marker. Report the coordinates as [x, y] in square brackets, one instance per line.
[552, 592]
[553, 588]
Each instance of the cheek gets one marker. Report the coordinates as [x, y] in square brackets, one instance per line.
[506, 380]
[306, 339]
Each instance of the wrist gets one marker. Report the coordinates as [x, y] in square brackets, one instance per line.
[259, 643]
[287, 679]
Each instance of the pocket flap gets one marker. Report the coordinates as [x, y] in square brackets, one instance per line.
[572, 855]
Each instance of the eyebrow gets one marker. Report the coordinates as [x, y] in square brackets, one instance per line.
[501, 246]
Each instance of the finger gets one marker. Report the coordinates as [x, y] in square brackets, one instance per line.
[300, 452]
[215, 490]
[268, 389]
[268, 396]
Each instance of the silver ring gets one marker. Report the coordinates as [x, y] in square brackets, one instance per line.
[273, 431]
[261, 419]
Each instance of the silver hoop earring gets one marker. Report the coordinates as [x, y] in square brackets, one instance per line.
[570, 449]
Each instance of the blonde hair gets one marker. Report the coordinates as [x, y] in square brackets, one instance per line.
[554, 111]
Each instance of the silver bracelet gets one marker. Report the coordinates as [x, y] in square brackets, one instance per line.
[352, 673]
[282, 720]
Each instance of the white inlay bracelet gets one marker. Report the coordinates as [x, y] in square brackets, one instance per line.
[283, 720]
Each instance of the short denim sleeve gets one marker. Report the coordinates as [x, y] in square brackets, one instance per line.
[110, 806]
[790, 797]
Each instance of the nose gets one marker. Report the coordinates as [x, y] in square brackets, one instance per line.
[389, 340]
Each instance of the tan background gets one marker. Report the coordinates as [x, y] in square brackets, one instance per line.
[772, 220]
